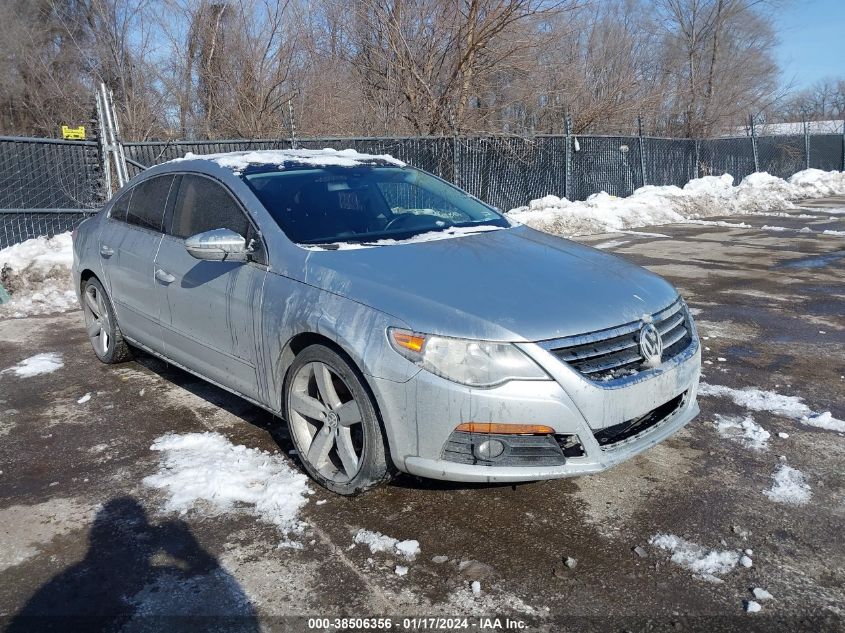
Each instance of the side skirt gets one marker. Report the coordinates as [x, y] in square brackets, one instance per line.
[200, 376]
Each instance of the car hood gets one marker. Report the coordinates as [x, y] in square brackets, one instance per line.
[513, 284]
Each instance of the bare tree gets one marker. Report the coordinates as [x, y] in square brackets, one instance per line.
[824, 100]
[434, 57]
[718, 59]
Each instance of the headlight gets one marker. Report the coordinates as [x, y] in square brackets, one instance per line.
[472, 363]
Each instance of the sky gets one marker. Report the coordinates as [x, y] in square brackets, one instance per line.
[812, 47]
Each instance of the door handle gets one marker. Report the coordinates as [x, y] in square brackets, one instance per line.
[164, 277]
[105, 251]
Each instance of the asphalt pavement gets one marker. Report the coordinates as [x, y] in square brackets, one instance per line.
[80, 532]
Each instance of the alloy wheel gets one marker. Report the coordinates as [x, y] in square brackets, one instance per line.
[326, 422]
[97, 321]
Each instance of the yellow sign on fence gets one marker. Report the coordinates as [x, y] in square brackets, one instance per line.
[73, 133]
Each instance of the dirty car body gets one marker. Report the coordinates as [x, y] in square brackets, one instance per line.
[491, 352]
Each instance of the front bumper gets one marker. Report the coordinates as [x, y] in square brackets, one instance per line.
[570, 404]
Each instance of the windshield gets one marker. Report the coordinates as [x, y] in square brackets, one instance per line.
[364, 204]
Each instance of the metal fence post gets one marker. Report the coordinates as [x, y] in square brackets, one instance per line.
[292, 125]
[843, 144]
[807, 144]
[567, 157]
[754, 143]
[455, 159]
[644, 178]
[697, 166]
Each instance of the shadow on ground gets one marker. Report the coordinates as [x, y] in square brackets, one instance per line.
[137, 576]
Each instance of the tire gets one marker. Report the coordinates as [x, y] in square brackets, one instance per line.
[101, 324]
[332, 419]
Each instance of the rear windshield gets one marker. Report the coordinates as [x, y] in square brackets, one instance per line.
[363, 204]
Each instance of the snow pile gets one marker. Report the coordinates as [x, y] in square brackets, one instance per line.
[787, 406]
[704, 563]
[378, 542]
[206, 467]
[701, 197]
[36, 273]
[238, 161]
[45, 363]
[789, 486]
[743, 430]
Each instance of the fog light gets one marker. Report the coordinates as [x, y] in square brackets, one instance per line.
[489, 449]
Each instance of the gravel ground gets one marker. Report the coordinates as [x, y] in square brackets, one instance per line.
[82, 535]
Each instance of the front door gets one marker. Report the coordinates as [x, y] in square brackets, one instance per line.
[210, 309]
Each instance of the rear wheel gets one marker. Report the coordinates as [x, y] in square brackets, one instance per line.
[101, 324]
[333, 422]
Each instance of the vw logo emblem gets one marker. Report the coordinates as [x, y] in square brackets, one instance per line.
[651, 345]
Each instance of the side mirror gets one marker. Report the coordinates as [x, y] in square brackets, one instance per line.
[218, 245]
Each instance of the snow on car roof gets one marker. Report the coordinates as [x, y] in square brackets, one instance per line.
[238, 161]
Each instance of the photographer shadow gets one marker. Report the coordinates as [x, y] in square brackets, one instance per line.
[139, 577]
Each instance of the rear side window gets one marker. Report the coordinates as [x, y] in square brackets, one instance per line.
[121, 206]
[203, 205]
[148, 202]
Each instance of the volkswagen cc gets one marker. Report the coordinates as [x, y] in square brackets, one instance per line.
[393, 321]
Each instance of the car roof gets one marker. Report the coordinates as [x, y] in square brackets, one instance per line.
[237, 162]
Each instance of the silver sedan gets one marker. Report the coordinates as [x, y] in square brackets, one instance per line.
[394, 321]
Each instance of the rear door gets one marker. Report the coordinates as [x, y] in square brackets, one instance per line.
[211, 309]
[128, 246]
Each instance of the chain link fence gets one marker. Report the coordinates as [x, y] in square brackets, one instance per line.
[48, 186]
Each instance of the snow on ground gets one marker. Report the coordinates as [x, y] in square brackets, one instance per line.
[743, 430]
[45, 363]
[36, 273]
[654, 205]
[789, 486]
[611, 244]
[467, 602]
[704, 563]
[761, 594]
[788, 406]
[238, 161]
[752, 607]
[204, 470]
[378, 542]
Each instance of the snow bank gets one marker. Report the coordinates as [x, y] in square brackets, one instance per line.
[238, 161]
[743, 430]
[36, 273]
[35, 365]
[787, 406]
[206, 467]
[378, 542]
[789, 486]
[704, 563]
[652, 205]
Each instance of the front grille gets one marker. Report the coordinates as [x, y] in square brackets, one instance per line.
[613, 435]
[615, 352]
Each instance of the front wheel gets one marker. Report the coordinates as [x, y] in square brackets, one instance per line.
[101, 324]
[333, 422]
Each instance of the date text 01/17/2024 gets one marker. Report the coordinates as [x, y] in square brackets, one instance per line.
[418, 624]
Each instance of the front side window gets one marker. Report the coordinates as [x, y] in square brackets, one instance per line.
[203, 205]
[146, 209]
[362, 204]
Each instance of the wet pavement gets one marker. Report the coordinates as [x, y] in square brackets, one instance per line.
[80, 532]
